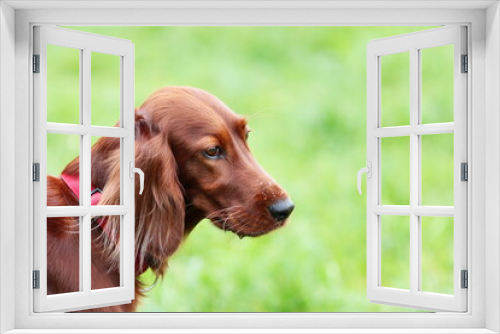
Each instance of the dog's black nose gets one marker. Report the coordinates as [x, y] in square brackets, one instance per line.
[281, 210]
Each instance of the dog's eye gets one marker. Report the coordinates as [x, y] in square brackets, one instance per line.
[214, 152]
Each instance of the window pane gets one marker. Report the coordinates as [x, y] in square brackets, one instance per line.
[63, 84]
[63, 255]
[437, 254]
[61, 150]
[106, 89]
[437, 169]
[395, 170]
[106, 158]
[106, 252]
[395, 249]
[437, 84]
[395, 90]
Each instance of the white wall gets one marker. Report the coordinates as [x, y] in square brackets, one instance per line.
[492, 163]
[7, 154]
[7, 160]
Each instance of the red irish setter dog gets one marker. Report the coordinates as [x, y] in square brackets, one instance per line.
[194, 153]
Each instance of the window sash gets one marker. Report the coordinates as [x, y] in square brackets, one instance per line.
[87, 43]
[414, 297]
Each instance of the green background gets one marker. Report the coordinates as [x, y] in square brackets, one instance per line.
[303, 90]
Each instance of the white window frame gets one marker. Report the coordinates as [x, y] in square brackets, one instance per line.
[483, 20]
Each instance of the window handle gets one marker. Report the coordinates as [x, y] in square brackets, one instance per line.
[368, 171]
[141, 175]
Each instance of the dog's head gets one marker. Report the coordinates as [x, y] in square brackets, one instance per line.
[210, 161]
[194, 153]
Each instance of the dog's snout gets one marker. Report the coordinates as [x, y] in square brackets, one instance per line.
[281, 210]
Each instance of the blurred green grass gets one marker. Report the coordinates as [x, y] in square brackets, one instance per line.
[303, 90]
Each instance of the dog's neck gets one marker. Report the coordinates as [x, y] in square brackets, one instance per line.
[193, 215]
[192, 218]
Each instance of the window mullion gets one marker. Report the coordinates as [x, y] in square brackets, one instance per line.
[414, 170]
[85, 172]
[78, 129]
[418, 126]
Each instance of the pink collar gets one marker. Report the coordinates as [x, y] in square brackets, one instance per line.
[73, 183]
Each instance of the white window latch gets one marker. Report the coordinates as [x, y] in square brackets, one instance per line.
[133, 170]
[368, 171]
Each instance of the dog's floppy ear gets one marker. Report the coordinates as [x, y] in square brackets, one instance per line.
[160, 210]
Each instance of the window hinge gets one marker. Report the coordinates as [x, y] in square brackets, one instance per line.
[36, 279]
[465, 64]
[464, 167]
[36, 172]
[36, 63]
[465, 279]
